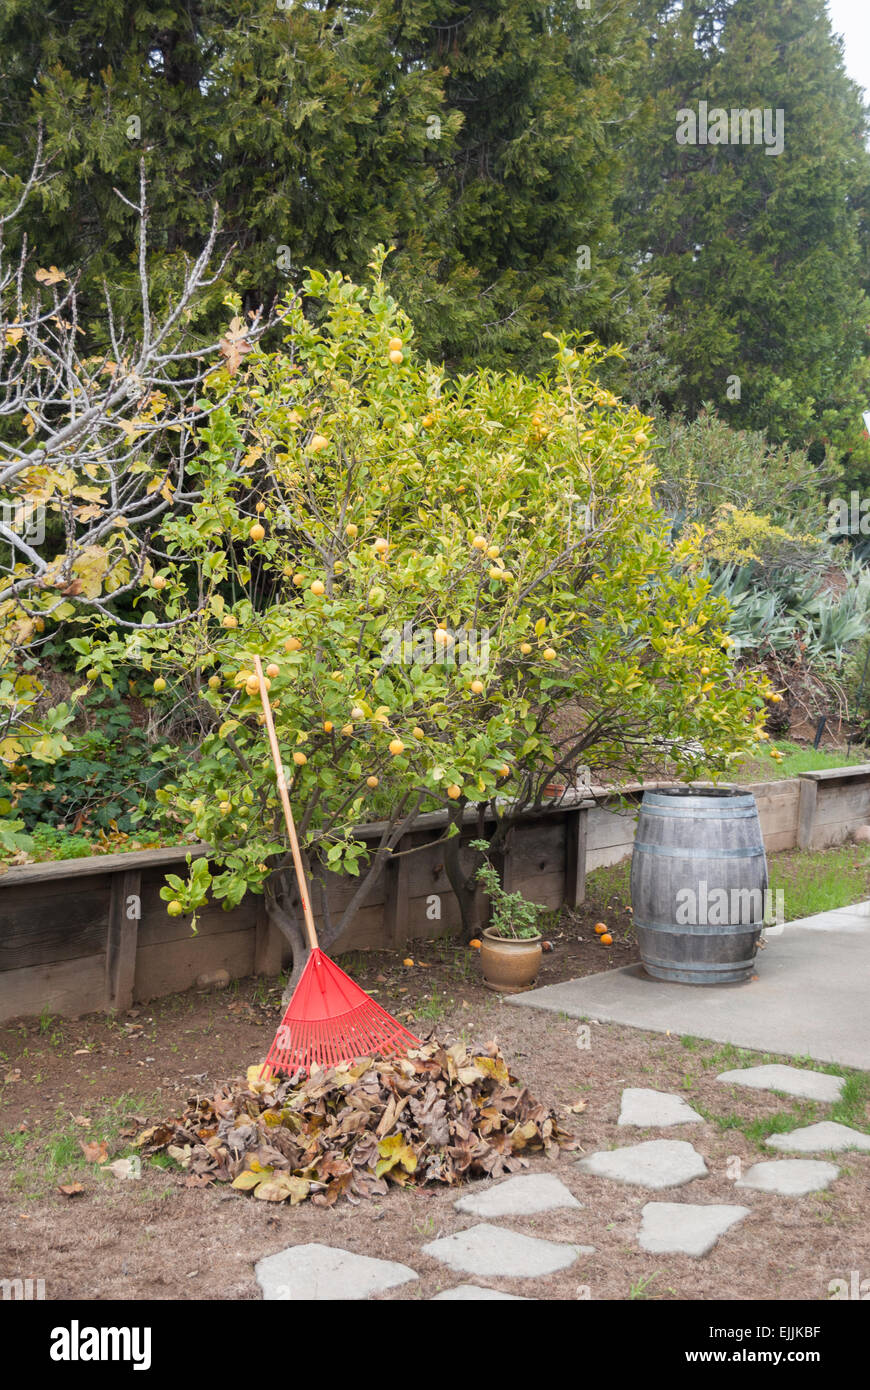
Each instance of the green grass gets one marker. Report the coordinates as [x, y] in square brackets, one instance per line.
[850, 1109]
[797, 759]
[811, 880]
[40, 1161]
[433, 1007]
[610, 882]
[820, 880]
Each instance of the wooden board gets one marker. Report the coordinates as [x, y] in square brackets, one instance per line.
[42, 924]
[171, 966]
[67, 987]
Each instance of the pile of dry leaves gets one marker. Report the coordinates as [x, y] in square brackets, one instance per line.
[440, 1114]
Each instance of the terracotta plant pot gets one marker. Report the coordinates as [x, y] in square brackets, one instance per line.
[509, 965]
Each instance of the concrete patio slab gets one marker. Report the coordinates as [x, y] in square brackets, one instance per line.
[809, 998]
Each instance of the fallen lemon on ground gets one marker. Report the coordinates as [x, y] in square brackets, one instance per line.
[600, 927]
[606, 939]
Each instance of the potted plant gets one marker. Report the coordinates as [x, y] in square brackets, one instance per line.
[510, 952]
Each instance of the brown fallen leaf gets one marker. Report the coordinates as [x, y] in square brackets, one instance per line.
[94, 1151]
[72, 1189]
[575, 1109]
[14, 1075]
[82, 1121]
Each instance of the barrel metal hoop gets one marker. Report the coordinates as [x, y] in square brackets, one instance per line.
[727, 929]
[669, 852]
[699, 967]
[691, 813]
[738, 801]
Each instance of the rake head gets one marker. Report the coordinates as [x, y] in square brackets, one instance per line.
[330, 1020]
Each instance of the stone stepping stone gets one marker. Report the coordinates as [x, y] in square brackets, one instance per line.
[326, 1272]
[655, 1109]
[790, 1177]
[523, 1196]
[791, 1081]
[684, 1228]
[490, 1250]
[825, 1137]
[472, 1293]
[657, 1163]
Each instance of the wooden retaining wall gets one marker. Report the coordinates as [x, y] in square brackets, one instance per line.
[83, 935]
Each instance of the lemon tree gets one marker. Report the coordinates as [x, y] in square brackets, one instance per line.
[460, 590]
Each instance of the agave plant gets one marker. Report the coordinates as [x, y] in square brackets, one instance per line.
[787, 612]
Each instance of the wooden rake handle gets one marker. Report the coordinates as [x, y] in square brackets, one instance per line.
[288, 814]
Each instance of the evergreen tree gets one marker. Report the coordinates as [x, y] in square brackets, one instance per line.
[765, 253]
[477, 138]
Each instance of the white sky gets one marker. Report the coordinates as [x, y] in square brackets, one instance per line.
[851, 19]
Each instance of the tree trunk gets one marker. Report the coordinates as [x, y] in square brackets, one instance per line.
[285, 912]
[473, 902]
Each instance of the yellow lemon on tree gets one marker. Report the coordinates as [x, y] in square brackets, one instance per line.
[292, 644]
[225, 807]
[479, 543]
[158, 582]
[525, 648]
[477, 687]
[453, 791]
[382, 545]
[257, 532]
[299, 759]
[351, 530]
[357, 712]
[418, 732]
[549, 654]
[372, 781]
[395, 344]
[318, 588]
[174, 908]
[318, 442]
[273, 670]
[327, 726]
[396, 357]
[214, 682]
[159, 685]
[230, 621]
[396, 747]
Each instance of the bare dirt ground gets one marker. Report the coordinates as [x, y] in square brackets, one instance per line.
[99, 1080]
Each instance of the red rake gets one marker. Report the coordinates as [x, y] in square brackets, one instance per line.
[329, 1019]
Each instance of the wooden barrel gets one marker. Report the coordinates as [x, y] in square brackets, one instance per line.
[698, 884]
